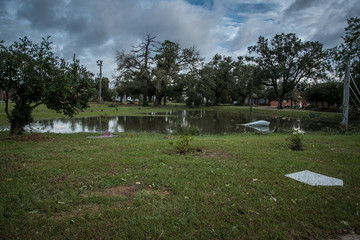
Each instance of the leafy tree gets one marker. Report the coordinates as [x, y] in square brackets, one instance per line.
[194, 99]
[247, 81]
[350, 50]
[217, 79]
[330, 92]
[351, 46]
[136, 66]
[288, 61]
[33, 76]
[171, 60]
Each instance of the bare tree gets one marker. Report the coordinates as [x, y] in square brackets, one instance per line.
[137, 65]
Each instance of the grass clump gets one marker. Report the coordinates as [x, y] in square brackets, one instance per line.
[184, 144]
[296, 140]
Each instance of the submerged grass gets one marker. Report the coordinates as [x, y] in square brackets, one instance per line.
[136, 186]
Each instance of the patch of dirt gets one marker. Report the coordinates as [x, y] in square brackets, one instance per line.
[123, 190]
[338, 149]
[349, 237]
[216, 154]
[162, 193]
[36, 137]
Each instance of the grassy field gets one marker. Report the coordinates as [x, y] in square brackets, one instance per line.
[136, 186]
[106, 109]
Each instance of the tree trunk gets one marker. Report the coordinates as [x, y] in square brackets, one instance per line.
[280, 101]
[158, 100]
[164, 100]
[16, 128]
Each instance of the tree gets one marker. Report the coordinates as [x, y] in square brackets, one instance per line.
[247, 81]
[171, 59]
[288, 61]
[350, 49]
[136, 66]
[217, 79]
[33, 75]
[330, 92]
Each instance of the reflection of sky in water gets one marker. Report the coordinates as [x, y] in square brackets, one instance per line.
[207, 122]
[74, 126]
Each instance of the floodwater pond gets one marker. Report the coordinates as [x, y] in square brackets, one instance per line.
[204, 122]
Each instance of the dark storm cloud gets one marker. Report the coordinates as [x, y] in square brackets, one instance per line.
[327, 19]
[95, 29]
[75, 19]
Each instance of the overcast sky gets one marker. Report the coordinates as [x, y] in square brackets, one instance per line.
[96, 29]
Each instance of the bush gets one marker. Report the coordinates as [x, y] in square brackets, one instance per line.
[296, 140]
[184, 145]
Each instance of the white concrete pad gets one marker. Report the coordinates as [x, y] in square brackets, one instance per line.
[315, 179]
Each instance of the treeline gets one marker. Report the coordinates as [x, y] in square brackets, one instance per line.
[277, 69]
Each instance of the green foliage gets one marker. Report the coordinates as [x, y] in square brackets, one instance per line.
[184, 144]
[194, 99]
[296, 140]
[288, 61]
[32, 75]
[330, 92]
[217, 79]
[157, 75]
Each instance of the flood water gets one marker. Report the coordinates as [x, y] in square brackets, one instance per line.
[204, 122]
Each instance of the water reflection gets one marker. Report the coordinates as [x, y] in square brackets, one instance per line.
[207, 122]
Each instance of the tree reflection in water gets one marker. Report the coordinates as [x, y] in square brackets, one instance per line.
[208, 122]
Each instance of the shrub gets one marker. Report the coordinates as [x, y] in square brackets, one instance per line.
[296, 140]
[184, 145]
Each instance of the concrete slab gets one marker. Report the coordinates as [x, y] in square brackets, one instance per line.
[315, 179]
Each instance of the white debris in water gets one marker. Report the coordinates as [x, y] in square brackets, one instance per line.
[315, 179]
[262, 126]
[257, 123]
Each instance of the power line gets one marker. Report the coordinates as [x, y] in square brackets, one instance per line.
[355, 85]
[354, 94]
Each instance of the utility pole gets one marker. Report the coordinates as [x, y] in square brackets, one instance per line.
[99, 63]
[345, 114]
[251, 91]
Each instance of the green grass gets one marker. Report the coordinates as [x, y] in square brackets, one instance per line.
[136, 186]
[106, 109]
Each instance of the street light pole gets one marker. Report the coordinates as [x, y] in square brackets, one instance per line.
[99, 63]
